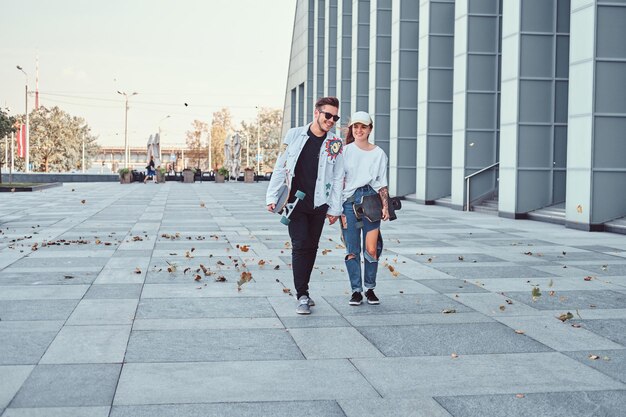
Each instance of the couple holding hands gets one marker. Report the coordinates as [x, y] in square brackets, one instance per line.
[337, 179]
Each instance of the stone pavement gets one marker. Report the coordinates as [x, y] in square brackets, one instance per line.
[93, 324]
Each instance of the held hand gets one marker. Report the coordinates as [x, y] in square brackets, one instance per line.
[385, 214]
[331, 219]
[271, 207]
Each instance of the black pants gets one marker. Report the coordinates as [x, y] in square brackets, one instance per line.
[305, 230]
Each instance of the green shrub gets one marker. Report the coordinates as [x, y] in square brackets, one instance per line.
[223, 171]
[123, 171]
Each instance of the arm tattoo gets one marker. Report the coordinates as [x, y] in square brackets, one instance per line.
[384, 196]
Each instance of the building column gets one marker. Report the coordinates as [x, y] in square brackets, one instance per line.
[344, 58]
[476, 91]
[533, 131]
[330, 48]
[360, 54]
[403, 96]
[596, 166]
[380, 70]
[434, 96]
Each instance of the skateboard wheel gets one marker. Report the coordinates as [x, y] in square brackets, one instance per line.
[300, 195]
[285, 220]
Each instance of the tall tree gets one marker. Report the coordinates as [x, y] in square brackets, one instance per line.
[196, 144]
[56, 140]
[266, 127]
[6, 127]
[221, 126]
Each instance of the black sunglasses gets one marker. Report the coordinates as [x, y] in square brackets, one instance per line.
[329, 115]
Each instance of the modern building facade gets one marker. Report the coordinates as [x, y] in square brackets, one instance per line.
[518, 105]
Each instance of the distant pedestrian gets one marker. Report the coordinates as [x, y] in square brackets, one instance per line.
[150, 172]
[312, 163]
[365, 167]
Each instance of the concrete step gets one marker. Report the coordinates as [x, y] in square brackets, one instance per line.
[616, 226]
[554, 215]
[485, 209]
[444, 201]
[490, 203]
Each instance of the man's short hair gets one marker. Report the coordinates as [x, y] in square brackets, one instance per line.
[327, 101]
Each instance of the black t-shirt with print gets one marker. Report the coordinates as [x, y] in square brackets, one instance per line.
[305, 173]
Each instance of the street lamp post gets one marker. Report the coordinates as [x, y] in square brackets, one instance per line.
[258, 146]
[27, 135]
[126, 148]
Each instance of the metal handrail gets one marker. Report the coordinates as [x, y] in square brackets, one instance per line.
[467, 183]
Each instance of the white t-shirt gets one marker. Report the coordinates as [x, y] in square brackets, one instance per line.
[363, 168]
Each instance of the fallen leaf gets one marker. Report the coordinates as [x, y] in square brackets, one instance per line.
[244, 248]
[197, 278]
[565, 316]
[286, 290]
[137, 270]
[261, 262]
[449, 311]
[536, 292]
[502, 308]
[576, 325]
[461, 258]
[588, 278]
[509, 302]
[325, 251]
[519, 395]
[454, 356]
[520, 331]
[593, 357]
[220, 278]
[83, 201]
[68, 277]
[186, 270]
[202, 204]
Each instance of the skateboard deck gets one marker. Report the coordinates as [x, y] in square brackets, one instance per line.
[285, 208]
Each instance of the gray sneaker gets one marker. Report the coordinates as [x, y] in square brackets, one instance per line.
[311, 302]
[303, 305]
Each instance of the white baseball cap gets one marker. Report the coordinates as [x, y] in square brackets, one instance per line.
[360, 117]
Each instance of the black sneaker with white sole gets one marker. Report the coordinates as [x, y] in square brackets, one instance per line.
[356, 299]
[371, 297]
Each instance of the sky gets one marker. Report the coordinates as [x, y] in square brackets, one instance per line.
[209, 54]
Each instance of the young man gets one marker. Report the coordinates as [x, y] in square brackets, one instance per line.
[312, 163]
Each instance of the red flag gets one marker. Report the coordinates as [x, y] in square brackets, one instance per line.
[21, 141]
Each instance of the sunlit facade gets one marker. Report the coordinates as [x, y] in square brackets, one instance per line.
[527, 98]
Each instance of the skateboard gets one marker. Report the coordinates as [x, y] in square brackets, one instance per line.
[371, 207]
[285, 208]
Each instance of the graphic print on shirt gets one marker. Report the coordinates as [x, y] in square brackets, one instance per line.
[334, 147]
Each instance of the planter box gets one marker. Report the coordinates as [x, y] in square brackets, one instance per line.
[219, 178]
[248, 176]
[160, 178]
[188, 176]
[126, 178]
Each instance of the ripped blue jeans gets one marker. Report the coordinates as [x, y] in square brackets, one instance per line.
[354, 232]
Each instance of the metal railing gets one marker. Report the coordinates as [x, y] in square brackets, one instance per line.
[467, 183]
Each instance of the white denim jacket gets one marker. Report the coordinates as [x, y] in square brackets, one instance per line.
[329, 183]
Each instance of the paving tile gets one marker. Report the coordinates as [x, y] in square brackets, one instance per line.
[209, 323]
[553, 404]
[480, 272]
[408, 319]
[22, 310]
[68, 386]
[248, 409]
[11, 379]
[42, 292]
[113, 291]
[313, 320]
[193, 308]
[571, 299]
[58, 412]
[447, 286]
[495, 305]
[399, 304]
[478, 374]
[454, 258]
[550, 331]
[333, 343]
[211, 345]
[609, 362]
[23, 346]
[88, 344]
[103, 312]
[613, 329]
[383, 407]
[266, 381]
[446, 339]
[604, 269]
[48, 278]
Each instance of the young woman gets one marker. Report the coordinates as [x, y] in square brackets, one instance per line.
[365, 168]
